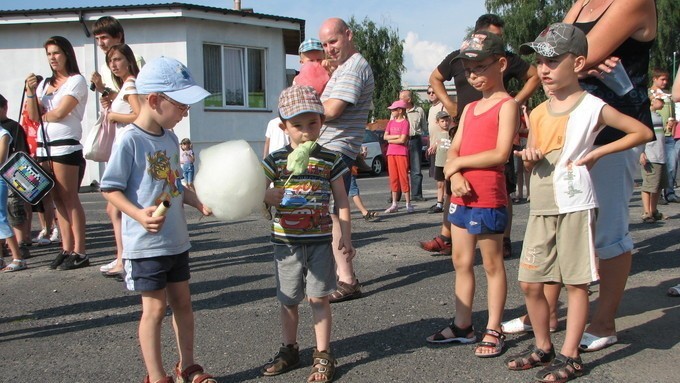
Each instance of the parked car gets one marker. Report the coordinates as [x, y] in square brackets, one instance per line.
[375, 161]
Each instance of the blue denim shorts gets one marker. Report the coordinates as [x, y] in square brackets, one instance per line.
[479, 220]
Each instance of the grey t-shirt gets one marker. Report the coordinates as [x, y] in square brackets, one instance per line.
[146, 168]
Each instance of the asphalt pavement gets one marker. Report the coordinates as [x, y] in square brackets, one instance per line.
[77, 326]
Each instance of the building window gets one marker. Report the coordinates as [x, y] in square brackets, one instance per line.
[234, 76]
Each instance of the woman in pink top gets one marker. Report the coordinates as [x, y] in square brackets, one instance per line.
[396, 135]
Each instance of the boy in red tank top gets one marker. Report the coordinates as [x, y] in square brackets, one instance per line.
[478, 214]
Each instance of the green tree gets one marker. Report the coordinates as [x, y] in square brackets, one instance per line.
[384, 51]
[667, 38]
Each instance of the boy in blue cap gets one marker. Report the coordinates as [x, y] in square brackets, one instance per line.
[142, 174]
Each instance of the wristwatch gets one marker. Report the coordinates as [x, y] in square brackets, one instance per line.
[106, 91]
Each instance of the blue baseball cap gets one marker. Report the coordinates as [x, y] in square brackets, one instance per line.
[172, 78]
[310, 45]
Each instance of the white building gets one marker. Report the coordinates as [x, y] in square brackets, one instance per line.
[239, 56]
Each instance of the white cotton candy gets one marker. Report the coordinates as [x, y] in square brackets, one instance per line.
[230, 180]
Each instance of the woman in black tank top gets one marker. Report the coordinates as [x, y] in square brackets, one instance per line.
[617, 31]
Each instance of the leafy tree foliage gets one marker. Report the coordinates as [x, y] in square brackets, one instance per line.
[384, 51]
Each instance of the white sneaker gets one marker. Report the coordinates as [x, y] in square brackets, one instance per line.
[108, 266]
[55, 237]
[410, 209]
[41, 234]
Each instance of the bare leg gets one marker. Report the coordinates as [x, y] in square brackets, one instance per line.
[613, 277]
[360, 204]
[153, 312]
[117, 221]
[179, 299]
[646, 203]
[539, 311]
[464, 286]
[290, 318]
[577, 316]
[321, 311]
[491, 247]
[69, 207]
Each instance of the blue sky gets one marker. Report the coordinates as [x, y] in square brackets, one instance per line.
[430, 28]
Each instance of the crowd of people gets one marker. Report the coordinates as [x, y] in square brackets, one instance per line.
[579, 145]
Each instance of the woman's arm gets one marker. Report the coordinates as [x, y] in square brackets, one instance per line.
[66, 105]
[127, 118]
[623, 19]
[32, 101]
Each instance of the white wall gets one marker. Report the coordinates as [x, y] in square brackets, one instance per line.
[213, 126]
[22, 52]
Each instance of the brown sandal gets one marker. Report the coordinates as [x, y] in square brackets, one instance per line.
[324, 364]
[286, 359]
[345, 292]
[184, 376]
[530, 358]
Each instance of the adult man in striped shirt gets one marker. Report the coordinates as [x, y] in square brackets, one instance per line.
[347, 101]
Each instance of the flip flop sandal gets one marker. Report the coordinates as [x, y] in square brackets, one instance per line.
[199, 376]
[532, 357]
[496, 346]
[286, 359]
[517, 326]
[562, 369]
[15, 265]
[324, 365]
[460, 335]
[591, 343]
[674, 291]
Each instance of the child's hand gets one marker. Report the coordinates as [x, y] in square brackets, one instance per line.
[347, 248]
[206, 211]
[643, 159]
[588, 160]
[431, 150]
[529, 154]
[150, 223]
[459, 185]
[273, 196]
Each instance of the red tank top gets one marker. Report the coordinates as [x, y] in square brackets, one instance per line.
[481, 134]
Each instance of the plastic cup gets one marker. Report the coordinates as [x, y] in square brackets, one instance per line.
[617, 80]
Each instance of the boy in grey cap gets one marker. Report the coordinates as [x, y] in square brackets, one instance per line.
[559, 241]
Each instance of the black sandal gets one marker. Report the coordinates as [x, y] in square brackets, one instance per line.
[460, 335]
[562, 369]
[497, 346]
[371, 215]
[532, 357]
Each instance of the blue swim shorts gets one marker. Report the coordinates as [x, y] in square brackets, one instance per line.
[479, 220]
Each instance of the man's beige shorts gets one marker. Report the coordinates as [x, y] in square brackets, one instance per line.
[560, 248]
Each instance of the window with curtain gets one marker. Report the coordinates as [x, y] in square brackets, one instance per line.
[235, 76]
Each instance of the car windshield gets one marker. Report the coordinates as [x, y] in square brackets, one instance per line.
[370, 136]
